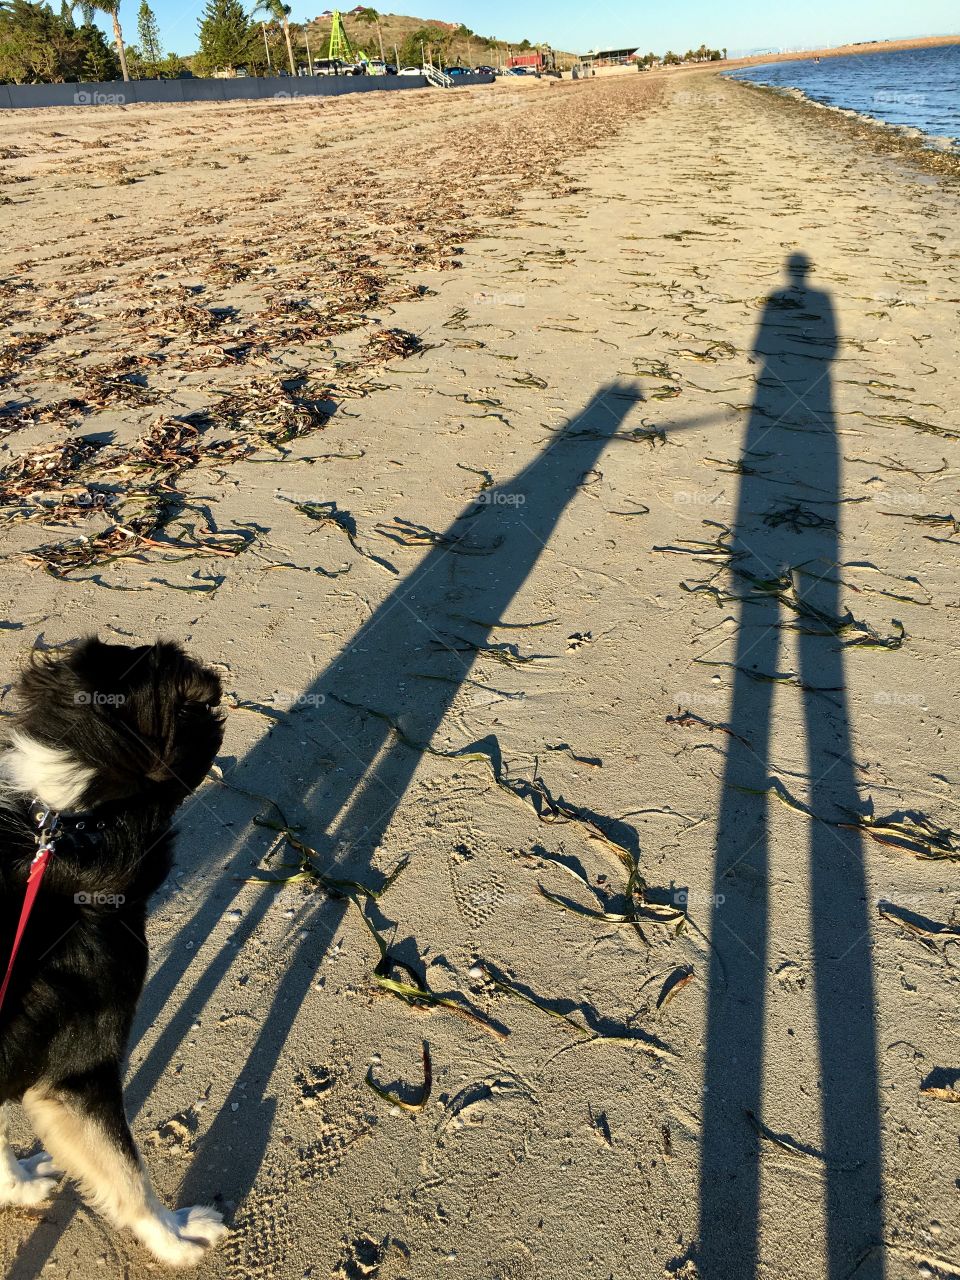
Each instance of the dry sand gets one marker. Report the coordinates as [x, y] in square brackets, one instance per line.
[542, 605]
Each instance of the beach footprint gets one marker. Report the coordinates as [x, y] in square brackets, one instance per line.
[262, 1236]
[361, 1260]
[478, 891]
[517, 1265]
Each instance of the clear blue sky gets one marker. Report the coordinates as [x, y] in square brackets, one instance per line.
[679, 24]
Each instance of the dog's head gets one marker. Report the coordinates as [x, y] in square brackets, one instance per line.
[113, 722]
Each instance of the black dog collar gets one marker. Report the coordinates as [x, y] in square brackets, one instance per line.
[53, 825]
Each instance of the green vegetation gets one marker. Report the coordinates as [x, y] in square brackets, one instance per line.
[38, 46]
[149, 33]
[671, 59]
[227, 37]
[372, 19]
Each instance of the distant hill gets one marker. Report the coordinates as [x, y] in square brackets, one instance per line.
[399, 29]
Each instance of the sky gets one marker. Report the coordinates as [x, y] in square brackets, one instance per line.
[739, 25]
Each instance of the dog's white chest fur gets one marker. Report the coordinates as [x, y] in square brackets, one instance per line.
[51, 774]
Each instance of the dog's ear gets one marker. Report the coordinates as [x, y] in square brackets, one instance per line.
[89, 674]
[109, 670]
[50, 679]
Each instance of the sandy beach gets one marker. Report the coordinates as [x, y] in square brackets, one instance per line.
[580, 560]
[848, 50]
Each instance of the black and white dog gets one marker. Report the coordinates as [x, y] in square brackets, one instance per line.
[107, 742]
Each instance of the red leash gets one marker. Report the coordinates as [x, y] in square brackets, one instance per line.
[37, 867]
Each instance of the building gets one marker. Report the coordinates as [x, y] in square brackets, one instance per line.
[610, 57]
[542, 58]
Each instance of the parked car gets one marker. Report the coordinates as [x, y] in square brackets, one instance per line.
[459, 71]
[411, 71]
[487, 71]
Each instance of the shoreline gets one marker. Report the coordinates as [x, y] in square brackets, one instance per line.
[891, 140]
[846, 50]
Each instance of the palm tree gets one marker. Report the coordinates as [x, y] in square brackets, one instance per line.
[112, 7]
[279, 12]
[372, 19]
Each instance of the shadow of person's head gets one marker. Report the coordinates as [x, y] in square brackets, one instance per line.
[799, 268]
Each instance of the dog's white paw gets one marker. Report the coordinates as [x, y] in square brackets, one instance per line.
[181, 1238]
[29, 1182]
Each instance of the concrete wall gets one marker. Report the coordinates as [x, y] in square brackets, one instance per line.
[117, 93]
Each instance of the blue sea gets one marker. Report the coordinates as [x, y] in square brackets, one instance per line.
[918, 88]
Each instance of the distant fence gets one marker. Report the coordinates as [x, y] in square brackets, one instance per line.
[119, 93]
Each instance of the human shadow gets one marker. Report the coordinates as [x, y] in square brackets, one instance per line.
[785, 555]
[407, 663]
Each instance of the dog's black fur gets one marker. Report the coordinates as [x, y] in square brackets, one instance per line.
[146, 722]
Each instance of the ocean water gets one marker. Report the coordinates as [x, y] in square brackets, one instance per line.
[918, 88]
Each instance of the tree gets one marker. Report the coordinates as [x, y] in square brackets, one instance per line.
[226, 35]
[433, 40]
[372, 19]
[112, 9]
[151, 51]
[40, 47]
[279, 12]
[172, 66]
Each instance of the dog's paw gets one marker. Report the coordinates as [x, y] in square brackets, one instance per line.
[181, 1238]
[29, 1182]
